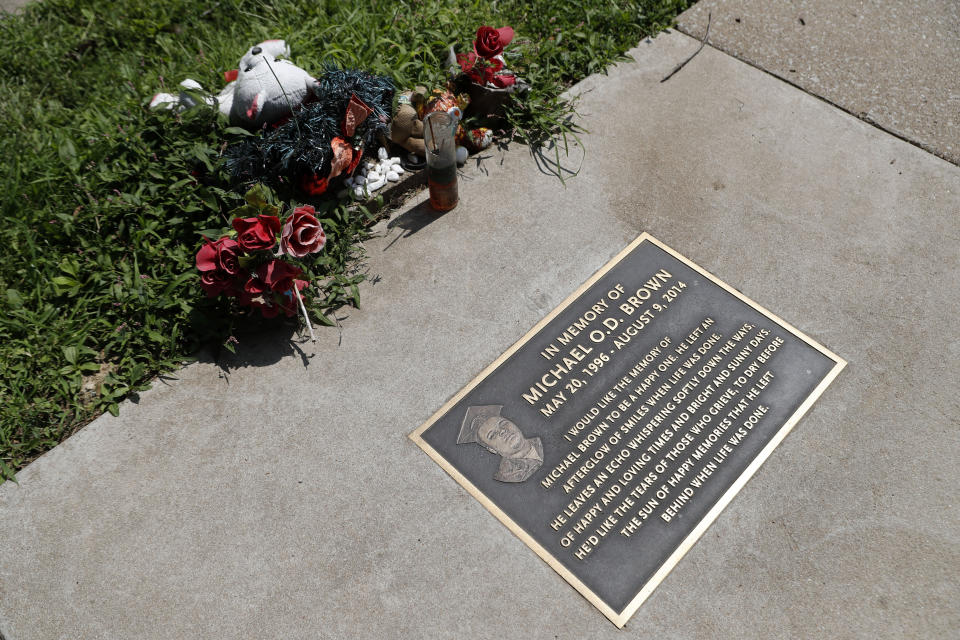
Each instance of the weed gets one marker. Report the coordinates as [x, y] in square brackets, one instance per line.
[104, 201]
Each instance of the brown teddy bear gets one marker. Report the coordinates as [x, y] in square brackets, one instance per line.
[406, 128]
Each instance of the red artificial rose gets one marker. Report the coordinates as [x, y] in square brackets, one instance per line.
[257, 294]
[215, 283]
[483, 70]
[265, 302]
[254, 286]
[278, 275]
[218, 264]
[504, 80]
[220, 255]
[490, 70]
[254, 234]
[466, 61]
[302, 234]
[469, 66]
[490, 42]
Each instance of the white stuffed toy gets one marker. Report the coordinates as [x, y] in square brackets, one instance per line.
[266, 87]
[255, 97]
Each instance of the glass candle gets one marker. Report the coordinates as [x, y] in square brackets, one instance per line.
[438, 137]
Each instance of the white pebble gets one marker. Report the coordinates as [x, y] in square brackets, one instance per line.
[373, 186]
[398, 169]
[393, 176]
[461, 155]
[373, 176]
[382, 153]
[360, 192]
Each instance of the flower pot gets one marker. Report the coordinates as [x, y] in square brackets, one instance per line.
[486, 101]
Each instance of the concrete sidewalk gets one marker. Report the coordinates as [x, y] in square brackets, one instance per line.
[284, 500]
[891, 62]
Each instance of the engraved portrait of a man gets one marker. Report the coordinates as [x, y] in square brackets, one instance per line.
[520, 456]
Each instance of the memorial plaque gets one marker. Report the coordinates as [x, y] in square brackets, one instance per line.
[614, 433]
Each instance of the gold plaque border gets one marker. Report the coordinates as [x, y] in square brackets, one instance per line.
[620, 619]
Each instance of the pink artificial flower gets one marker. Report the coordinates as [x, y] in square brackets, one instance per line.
[302, 234]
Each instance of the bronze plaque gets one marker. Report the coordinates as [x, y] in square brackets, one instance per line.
[615, 432]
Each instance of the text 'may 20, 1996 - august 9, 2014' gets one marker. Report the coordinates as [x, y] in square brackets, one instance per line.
[612, 434]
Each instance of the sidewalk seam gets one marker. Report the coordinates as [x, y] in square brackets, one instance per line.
[867, 120]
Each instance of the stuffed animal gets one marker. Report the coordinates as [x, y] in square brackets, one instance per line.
[406, 128]
[260, 92]
[267, 87]
[190, 90]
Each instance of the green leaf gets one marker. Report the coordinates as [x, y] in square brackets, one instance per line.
[245, 211]
[213, 234]
[14, 299]
[259, 196]
[70, 353]
[237, 131]
[209, 199]
[68, 154]
[323, 319]
[176, 282]
[70, 266]
[6, 473]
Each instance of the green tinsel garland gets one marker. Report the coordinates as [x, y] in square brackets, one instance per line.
[301, 145]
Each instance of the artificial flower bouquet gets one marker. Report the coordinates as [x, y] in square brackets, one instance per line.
[483, 74]
[485, 65]
[257, 263]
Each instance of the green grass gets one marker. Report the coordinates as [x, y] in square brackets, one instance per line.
[103, 200]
